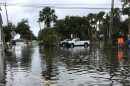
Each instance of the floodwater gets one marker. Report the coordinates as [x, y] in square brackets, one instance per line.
[78, 66]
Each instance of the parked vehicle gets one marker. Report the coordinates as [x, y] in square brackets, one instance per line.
[41, 43]
[77, 42]
[62, 43]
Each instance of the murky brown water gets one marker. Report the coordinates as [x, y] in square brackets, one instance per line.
[78, 66]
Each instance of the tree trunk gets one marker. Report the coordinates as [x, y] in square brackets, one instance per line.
[89, 33]
[129, 28]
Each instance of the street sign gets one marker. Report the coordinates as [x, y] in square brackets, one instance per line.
[13, 33]
[120, 40]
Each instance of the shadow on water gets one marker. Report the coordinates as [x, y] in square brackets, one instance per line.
[20, 57]
[50, 71]
[2, 68]
[78, 66]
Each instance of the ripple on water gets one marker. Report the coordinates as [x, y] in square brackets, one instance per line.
[67, 68]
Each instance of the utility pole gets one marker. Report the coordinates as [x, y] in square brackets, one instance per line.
[111, 24]
[2, 38]
[6, 14]
[8, 24]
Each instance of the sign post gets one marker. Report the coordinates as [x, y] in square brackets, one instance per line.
[120, 41]
[13, 34]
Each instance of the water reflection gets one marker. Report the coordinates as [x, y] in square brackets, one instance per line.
[18, 64]
[74, 56]
[78, 66]
[50, 70]
[26, 53]
[20, 57]
[2, 68]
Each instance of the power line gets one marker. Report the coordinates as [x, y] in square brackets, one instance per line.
[79, 8]
[59, 6]
[51, 4]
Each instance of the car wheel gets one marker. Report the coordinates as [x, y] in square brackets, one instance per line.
[63, 45]
[86, 45]
[72, 45]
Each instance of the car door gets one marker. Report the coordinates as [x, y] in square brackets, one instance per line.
[77, 41]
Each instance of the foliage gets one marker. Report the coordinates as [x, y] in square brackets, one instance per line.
[126, 11]
[24, 30]
[47, 15]
[105, 26]
[78, 26]
[48, 35]
[126, 7]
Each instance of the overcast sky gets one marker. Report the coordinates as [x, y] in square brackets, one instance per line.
[29, 9]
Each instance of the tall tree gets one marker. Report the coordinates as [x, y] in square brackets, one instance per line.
[49, 36]
[100, 18]
[23, 29]
[105, 27]
[61, 28]
[126, 11]
[116, 20]
[78, 26]
[92, 19]
[48, 16]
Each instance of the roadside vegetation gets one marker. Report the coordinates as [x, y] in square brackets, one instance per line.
[94, 26]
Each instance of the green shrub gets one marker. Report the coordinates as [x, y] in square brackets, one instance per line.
[48, 35]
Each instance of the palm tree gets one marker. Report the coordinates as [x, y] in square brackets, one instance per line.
[100, 18]
[92, 18]
[47, 15]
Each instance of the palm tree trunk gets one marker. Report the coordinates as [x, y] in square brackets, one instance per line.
[89, 32]
[129, 24]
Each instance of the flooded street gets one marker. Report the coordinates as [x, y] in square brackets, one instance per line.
[78, 66]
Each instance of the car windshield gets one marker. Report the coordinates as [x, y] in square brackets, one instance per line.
[76, 39]
[67, 40]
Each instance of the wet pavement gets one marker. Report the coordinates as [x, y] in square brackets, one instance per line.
[78, 66]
